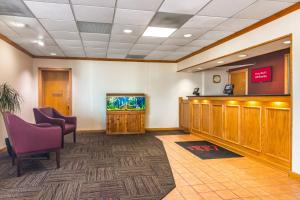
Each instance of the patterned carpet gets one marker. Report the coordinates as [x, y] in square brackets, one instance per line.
[96, 167]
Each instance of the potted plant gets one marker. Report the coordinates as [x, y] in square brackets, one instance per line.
[10, 101]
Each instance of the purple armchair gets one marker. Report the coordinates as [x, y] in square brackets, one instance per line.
[30, 139]
[52, 116]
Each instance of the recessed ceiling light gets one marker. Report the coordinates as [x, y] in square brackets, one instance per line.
[41, 37]
[158, 31]
[220, 62]
[287, 42]
[127, 31]
[39, 42]
[242, 56]
[18, 24]
[188, 35]
[53, 54]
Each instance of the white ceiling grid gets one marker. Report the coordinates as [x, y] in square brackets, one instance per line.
[95, 28]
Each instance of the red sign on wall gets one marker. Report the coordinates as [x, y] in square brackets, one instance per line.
[263, 74]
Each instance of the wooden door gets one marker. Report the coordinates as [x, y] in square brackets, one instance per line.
[240, 81]
[55, 90]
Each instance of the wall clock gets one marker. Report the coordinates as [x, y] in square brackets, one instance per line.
[216, 78]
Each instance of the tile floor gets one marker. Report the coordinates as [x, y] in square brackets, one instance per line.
[218, 179]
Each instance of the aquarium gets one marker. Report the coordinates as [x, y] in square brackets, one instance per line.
[125, 102]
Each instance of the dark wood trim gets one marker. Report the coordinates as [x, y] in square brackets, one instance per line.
[105, 59]
[258, 24]
[3, 149]
[40, 84]
[163, 129]
[237, 52]
[6, 39]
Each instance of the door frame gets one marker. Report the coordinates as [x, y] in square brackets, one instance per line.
[40, 84]
[246, 77]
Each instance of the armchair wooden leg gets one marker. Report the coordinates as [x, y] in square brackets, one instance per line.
[74, 136]
[62, 141]
[18, 166]
[58, 159]
[13, 158]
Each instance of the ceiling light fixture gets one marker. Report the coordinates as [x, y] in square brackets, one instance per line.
[39, 42]
[158, 31]
[53, 54]
[242, 56]
[127, 31]
[18, 24]
[287, 42]
[187, 35]
[220, 62]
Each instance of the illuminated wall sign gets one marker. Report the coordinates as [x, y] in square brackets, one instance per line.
[263, 74]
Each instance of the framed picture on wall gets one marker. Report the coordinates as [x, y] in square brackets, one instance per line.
[216, 79]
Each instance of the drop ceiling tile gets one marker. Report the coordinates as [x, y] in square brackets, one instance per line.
[52, 1]
[32, 48]
[71, 49]
[95, 37]
[14, 8]
[70, 43]
[94, 27]
[96, 55]
[204, 22]
[119, 56]
[215, 35]
[262, 9]
[177, 41]
[8, 32]
[97, 44]
[201, 43]
[174, 56]
[195, 32]
[59, 25]
[151, 5]
[116, 45]
[165, 47]
[47, 50]
[224, 8]
[154, 57]
[95, 50]
[123, 38]
[133, 17]
[139, 52]
[133, 56]
[53, 11]
[169, 20]
[136, 30]
[65, 35]
[75, 54]
[99, 3]
[183, 6]
[187, 49]
[117, 51]
[151, 40]
[144, 46]
[93, 14]
[235, 24]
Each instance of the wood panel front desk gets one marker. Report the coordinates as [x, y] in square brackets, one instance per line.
[257, 126]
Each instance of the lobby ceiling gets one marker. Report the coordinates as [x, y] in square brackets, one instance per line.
[114, 28]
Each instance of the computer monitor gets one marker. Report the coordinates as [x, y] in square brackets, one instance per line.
[228, 89]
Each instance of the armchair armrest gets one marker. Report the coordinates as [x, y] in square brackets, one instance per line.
[68, 119]
[42, 118]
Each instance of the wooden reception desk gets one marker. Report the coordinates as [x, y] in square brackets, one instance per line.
[257, 126]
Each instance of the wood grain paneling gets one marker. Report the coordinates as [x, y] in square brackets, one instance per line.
[232, 123]
[276, 137]
[257, 126]
[217, 120]
[251, 126]
[196, 116]
[205, 118]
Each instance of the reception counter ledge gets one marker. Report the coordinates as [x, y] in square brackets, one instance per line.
[256, 126]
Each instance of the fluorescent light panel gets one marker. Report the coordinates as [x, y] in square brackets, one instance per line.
[158, 31]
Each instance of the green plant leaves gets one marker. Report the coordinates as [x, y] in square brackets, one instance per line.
[10, 99]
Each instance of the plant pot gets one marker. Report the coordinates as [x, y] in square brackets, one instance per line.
[8, 147]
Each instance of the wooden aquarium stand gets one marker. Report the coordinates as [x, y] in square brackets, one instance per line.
[125, 121]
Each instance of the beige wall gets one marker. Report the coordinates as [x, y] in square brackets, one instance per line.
[16, 69]
[93, 79]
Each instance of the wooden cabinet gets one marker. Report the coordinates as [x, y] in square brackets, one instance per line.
[255, 126]
[125, 122]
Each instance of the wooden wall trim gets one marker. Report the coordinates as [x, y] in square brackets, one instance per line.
[6, 39]
[294, 175]
[163, 129]
[258, 24]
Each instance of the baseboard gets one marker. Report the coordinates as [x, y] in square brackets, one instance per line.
[163, 129]
[294, 175]
[91, 131]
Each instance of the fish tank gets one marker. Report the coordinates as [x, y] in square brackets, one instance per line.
[125, 102]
